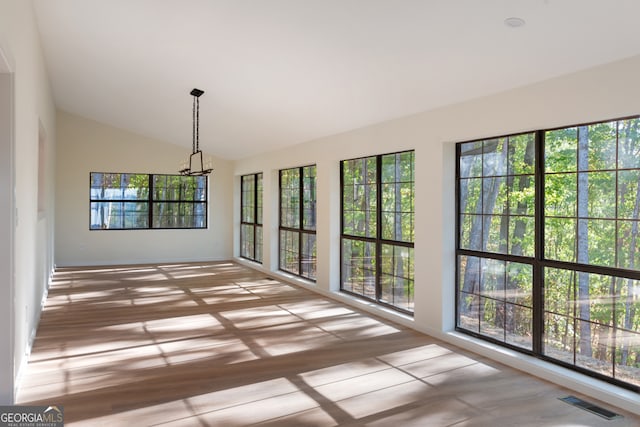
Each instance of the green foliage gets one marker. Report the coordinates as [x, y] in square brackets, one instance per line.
[497, 207]
[378, 205]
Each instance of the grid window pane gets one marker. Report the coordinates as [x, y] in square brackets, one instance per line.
[495, 299]
[143, 201]
[247, 239]
[378, 210]
[251, 217]
[309, 198]
[397, 187]
[290, 198]
[290, 251]
[590, 322]
[308, 256]
[585, 271]
[359, 267]
[298, 221]
[258, 201]
[119, 186]
[359, 192]
[248, 198]
[397, 276]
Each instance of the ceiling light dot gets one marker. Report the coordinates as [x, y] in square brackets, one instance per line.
[514, 22]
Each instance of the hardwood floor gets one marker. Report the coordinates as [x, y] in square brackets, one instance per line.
[218, 344]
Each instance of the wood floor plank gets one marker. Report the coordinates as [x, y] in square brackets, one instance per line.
[219, 344]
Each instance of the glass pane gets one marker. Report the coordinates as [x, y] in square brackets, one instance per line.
[559, 337]
[471, 195]
[248, 198]
[179, 215]
[289, 251]
[397, 276]
[471, 159]
[521, 154]
[247, 241]
[519, 326]
[119, 215]
[290, 198]
[602, 195]
[308, 256]
[559, 291]
[598, 330]
[468, 289]
[359, 197]
[177, 187]
[602, 145]
[560, 239]
[471, 232]
[494, 196]
[519, 285]
[259, 199]
[258, 249]
[629, 244]
[492, 278]
[359, 267]
[628, 200]
[397, 212]
[309, 198]
[561, 150]
[494, 158]
[628, 356]
[492, 318]
[119, 186]
[495, 239]
[629, 144]
[601, 243]
[522, 194]
[521, 236]
[560, 194]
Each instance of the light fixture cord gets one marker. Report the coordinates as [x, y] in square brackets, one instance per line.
[197, 123]
[193, 125]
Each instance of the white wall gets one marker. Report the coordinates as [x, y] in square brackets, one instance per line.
[601, 93]
[32, 113]
[86, 146]
[7, 208]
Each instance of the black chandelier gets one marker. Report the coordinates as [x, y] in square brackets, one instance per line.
[197, 166]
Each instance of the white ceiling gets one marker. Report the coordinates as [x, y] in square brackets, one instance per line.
[282, 72]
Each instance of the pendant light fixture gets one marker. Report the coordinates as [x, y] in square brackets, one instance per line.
[195, 165]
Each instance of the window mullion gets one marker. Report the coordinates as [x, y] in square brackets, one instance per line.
[538, 268]
[378, 227]
[300, 216]
[255, 216]
[150, 200]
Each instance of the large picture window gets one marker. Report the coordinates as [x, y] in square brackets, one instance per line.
[547, 249]
[125, 201]
[298, 221]
[378, 228]
[251, 217]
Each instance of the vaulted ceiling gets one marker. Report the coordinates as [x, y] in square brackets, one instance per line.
[282, 72]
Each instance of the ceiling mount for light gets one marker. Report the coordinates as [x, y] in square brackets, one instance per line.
[514, 22]
[196, 166]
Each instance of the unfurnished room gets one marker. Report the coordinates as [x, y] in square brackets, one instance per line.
[319, 213]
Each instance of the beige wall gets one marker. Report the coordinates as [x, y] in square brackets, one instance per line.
[30, 229]
[86, 146]
[601, 93]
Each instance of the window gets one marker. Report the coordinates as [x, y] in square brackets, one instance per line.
[251, 217]
[298, 221]
[378, 228]
[548, 246]
[125, 201]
